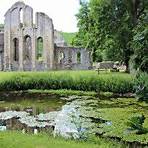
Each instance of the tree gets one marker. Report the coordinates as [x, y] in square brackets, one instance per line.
[106, 27]
[140, 43]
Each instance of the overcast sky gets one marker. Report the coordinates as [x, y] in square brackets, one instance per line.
[61, 11]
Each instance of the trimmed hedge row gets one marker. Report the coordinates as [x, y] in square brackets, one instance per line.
[74, 80]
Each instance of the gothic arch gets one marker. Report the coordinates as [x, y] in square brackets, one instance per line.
[39, 48]
[27, 54]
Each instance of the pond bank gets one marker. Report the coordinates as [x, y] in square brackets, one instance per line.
[61, 93]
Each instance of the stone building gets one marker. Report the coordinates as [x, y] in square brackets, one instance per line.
[28, 46]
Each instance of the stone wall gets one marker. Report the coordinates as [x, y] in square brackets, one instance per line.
[72, 58]
[21, 37]
[25, 46]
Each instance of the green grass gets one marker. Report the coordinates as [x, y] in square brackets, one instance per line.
[16, 140]
[68, 37]
[63, 92]
[71, 80]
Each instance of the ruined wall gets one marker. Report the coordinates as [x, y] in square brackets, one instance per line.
[72, 58]
[29, 46]
[45, 30]
[21, 39]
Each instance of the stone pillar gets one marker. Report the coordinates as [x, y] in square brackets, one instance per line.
[48, 43]
[51, 51]
[7, 32]
[33, 50]
[21, 46]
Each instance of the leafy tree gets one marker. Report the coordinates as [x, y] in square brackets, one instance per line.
[83, 25]
[140, 43]
[106, 27]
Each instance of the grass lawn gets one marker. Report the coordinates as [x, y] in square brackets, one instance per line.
[19, 140]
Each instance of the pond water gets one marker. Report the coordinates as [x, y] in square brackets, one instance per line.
[70, 117]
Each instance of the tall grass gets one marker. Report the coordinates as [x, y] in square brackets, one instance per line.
[74, 80]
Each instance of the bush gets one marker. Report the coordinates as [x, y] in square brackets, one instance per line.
[141, 87]
[74, 80]
[136, 124]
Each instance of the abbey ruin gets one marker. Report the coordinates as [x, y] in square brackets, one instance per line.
[28, 46]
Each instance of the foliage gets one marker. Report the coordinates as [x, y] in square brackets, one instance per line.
[140, 43]
[141, 87]
[135, 123]
[68, 37]
[82, 37]
[74, 80]
[106, 27]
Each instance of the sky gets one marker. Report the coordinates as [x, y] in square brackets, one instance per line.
[62, 12]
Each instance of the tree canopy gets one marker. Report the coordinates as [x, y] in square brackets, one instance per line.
[110, 29]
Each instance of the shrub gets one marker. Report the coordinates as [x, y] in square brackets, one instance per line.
[135, 123]
[141, 86]
[74, 80]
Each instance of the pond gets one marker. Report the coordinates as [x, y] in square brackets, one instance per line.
[71, 116]
[75, 117]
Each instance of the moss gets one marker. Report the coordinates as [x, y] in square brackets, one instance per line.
[118, 116]
[64, 92]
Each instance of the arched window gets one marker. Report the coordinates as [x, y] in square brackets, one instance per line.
[61, 57]
[16, 49]
[40, 48]
[78, 57]
[21, 16]
[27, 48]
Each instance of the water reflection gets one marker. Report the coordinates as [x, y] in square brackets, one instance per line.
[74, 119]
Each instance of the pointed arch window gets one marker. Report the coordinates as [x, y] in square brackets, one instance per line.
[40, 48]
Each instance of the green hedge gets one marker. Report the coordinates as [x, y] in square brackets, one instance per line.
[74, 80]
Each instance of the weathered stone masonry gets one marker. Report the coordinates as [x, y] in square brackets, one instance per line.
[29, 46]
[72, 58]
